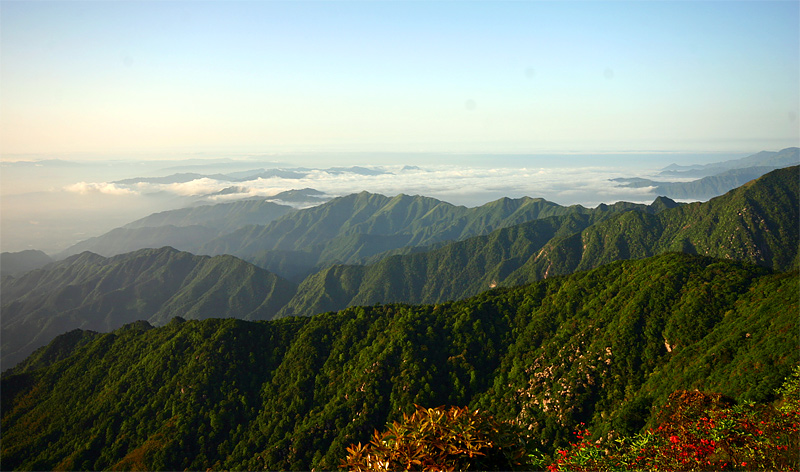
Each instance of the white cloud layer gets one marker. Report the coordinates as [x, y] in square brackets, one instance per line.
[86, 188]
[456, 184]
[197, 187]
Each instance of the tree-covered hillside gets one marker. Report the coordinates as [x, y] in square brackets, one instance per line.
[360, 226]
[93, 292]
[452, 271]
[602, 347]
[757, 223]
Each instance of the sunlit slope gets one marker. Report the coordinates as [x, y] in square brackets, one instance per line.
[357, 227]
[455, 270]
[600, 347]
[757, 223]
[92, 292]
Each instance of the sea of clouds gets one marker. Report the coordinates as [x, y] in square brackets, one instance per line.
[53, 206]
[589, 186]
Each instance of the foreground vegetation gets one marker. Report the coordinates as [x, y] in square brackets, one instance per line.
[604, 348]
[697, 431]
[700, 431]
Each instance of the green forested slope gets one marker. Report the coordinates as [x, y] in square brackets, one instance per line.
[92, 292]
[758, 223]
[360, 226]
[600, 347]
[455, 270]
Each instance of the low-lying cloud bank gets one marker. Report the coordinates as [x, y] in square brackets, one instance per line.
[456, 184]
[71, 212]
[86, 188]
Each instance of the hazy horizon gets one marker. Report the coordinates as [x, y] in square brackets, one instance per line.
[52, 204]
[520, 98]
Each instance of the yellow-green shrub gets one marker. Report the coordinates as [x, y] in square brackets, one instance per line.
[442, 439]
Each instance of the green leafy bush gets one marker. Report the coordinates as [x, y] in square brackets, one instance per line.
[442, 439]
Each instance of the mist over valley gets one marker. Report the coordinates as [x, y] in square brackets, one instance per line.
[53, 204]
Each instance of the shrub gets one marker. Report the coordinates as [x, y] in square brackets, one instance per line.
[700, 431]
[442, 439]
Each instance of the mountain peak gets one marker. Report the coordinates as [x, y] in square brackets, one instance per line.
[663, 203]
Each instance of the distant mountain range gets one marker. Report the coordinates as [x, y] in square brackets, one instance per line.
[294, 243]
[756, 223]
[772, 159]
[187, 228]
[360, 226]
[716, 178]
[17, 263]
[245, 176]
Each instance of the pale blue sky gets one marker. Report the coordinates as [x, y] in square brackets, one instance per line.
[154, 78]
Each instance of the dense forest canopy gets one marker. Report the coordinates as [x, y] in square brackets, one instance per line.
[755, 223]
[604, 347]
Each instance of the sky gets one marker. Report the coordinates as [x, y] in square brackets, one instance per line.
[156, 78]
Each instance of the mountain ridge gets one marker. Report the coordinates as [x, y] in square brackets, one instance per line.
[748, 224]
[16, 263]
[755, 223]
[754, 227]
[185, 228]
[775, 159]
[716, 178]
[602, 347]
[94, 292]
[362, 226]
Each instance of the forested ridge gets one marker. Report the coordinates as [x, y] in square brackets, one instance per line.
[757, 223]
[93, 292]
[604, 347]
[366, 226]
